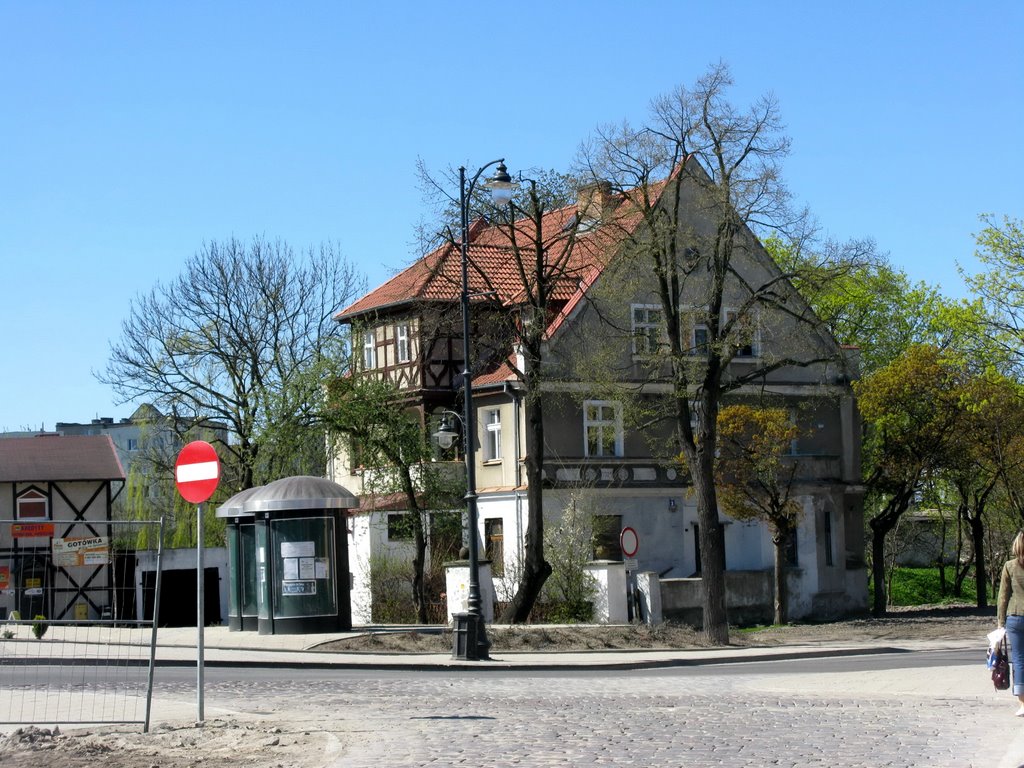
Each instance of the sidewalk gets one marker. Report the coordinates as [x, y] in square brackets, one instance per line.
[224, 648]
[178, 646]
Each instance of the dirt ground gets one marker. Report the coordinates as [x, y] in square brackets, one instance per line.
[918, 623]
[275, 741]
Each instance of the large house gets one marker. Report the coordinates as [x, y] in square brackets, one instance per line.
[599, 454]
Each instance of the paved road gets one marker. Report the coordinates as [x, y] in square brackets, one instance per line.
[804, 713]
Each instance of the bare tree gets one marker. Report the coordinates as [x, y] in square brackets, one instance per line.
[697, 183]
[244, 337]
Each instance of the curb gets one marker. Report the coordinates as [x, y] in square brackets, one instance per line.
[504, 665]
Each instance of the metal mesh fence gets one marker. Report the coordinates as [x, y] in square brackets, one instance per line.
[78, 636]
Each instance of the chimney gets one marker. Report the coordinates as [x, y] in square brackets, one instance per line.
[593, 202]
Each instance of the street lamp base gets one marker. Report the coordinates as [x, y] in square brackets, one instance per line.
[469, 638]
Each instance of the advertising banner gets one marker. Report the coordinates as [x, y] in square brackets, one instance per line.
[85, 550]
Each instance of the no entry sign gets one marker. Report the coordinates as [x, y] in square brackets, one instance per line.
[629, 541]
[197, 472]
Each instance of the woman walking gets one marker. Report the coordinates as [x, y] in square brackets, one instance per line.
[1011, 614]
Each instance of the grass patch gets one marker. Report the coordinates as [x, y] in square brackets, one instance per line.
[922, 586]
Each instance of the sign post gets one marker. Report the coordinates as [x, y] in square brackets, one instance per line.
[196, 474]
[629, 543]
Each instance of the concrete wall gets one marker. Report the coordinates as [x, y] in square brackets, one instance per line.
[748, 597]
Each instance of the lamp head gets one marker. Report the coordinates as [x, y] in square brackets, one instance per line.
[500, 185]
[446, 434]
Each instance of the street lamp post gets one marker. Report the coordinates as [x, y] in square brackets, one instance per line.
[470, 639]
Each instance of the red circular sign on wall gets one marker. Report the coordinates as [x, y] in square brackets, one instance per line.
[197, 472]
[629, 541]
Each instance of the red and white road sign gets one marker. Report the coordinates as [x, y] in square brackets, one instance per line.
[197, 472]
[629, 541]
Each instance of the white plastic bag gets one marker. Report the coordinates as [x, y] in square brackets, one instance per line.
[995, 637]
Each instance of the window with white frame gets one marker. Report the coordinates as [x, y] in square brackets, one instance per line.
[602, 428]
[694, 416]
[492, 441]
[402, 343]
[743, 331]
[699, 339]
[648, 328]
[33, 505]
[369, 348]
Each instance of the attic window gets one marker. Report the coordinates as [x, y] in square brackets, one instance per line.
[648, 328]
[743, 330]
[33, 505]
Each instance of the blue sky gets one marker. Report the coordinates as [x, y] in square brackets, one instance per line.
[130, 133]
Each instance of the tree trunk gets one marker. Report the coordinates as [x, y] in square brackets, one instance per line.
[535, 569]
[881, 524]
[878, 571]
[716, 618]
[781, 540]
[978, 540]
[419, 597]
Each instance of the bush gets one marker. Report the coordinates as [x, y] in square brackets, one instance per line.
[391, 591]
[568, 594]
[39, 626]
[574, 612]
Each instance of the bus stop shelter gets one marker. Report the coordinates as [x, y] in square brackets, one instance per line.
[288, 557]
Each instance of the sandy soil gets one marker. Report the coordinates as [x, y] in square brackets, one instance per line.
[919, 623]
[172, 745]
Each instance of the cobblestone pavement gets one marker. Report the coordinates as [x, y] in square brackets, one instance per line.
[635, 719]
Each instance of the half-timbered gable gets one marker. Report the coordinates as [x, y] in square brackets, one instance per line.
[53, 489]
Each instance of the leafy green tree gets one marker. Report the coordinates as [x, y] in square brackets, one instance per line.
[986, 451]
[755, 481]
[1000, 287]
[912, 411]
[391, 441]
[862, 299]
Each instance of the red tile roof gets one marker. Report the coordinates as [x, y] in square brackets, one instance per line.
[57, 457]
[493, 268]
